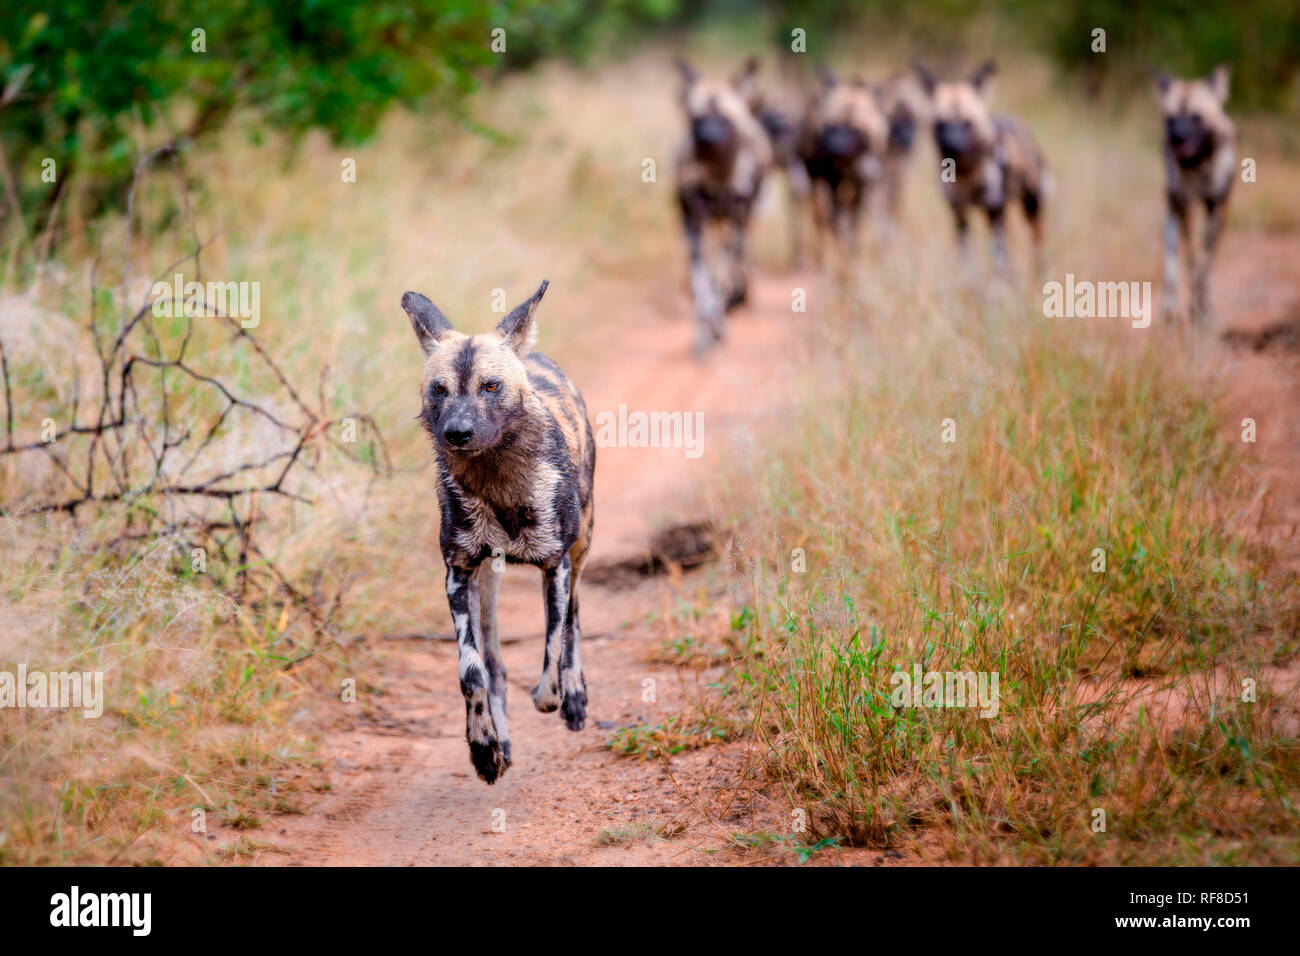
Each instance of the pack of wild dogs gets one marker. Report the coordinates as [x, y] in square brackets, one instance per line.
[512, 440]
[847, 151]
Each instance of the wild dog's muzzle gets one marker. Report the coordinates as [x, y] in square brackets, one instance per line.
[902, 132]
[841, 141]
[1185, 134]
[714, 136]
[953, 138]
[458, 425]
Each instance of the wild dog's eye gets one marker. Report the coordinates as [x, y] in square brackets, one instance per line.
[440, 389]
[491, 386]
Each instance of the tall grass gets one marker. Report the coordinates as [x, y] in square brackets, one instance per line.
[1120, 689]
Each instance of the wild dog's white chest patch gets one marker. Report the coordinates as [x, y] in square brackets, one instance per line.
[528, 531]
[993, 191]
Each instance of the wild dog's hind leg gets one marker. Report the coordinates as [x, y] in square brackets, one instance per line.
[488, 584]
[555, 587]
[573, 685]
[480, 729]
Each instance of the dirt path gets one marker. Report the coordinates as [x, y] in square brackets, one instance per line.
[403, 791]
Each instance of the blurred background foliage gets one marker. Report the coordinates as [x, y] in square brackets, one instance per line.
[89, 83]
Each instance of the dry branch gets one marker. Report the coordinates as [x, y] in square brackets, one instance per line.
[159, 474]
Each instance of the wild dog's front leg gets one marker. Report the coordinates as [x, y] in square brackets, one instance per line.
[739, 291]
[800, 203]
[1176, 228]
[488, 583]
[858, 196]
[962, 224]
[998, 227]
[480, 730]
[708, 300]
[1214, 215]
[822, 223]
[555, 587]
[573, 685]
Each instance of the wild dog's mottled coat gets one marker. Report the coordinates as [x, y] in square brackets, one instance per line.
[843, 141]
[1200, 155]
[516, 461]
[719, 170]
[994, 159]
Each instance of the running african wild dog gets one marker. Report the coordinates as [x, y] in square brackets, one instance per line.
[987, 160]
[842, 142]
[516, 460]
[1200, 153]
[906, 110]
[719, 170]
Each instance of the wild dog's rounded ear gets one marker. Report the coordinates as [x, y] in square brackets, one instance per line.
[427, 320]
[980, 78]
[1218, 82]
[928, 82]
[519, 328]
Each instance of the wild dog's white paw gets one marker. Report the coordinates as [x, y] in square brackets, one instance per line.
[546, 695]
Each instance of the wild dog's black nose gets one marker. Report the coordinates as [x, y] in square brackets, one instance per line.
[902, 132]
[458, 437]
[711, 130]
[842, 140]
[953, 138]
[1182, 128]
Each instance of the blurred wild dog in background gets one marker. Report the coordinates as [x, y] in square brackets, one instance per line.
[782, 127]
[986, 160]
[516, 462]
[907, 110]
[1200, 153]
[719, 169]
[842, 141]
